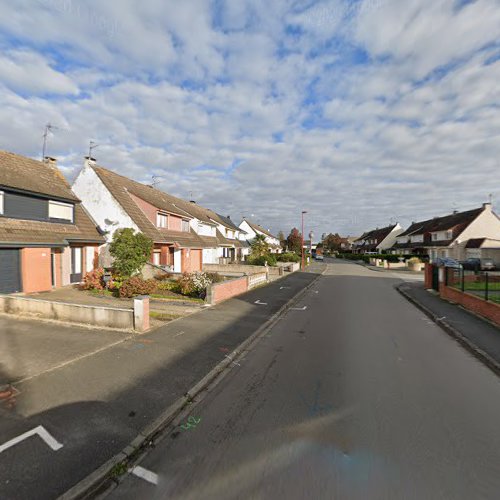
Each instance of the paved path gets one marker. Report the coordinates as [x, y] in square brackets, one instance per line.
[358, 396]
[97, 404]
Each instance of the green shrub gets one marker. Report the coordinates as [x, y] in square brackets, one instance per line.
[130, 251]
[288, 257]
[137, 286]
[261, 261]
[171, 286]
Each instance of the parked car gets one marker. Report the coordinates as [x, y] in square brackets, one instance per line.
[447, 262]
[475, 264]
[319, 257]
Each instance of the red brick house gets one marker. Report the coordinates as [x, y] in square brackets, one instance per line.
[47, 239]
[116, 202]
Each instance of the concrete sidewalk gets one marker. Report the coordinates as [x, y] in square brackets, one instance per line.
[479, 336]
[96, 406]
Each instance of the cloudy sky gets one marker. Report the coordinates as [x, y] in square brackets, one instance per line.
[360, 112]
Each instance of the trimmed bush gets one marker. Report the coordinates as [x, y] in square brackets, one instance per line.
[261, 261]
[93, 280]
[288, 257]
[137, 286]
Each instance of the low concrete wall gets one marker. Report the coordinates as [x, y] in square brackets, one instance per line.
[218, 292]
[257, 279]
[233, 268]
[484, 308]
[106, 317]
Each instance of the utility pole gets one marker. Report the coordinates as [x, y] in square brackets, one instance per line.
[302, 244]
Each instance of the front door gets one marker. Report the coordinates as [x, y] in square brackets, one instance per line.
[10, 270]
[76, 265]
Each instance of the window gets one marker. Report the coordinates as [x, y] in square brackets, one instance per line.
[1, 202]
[60, 211]
[161, 220]
[449, 234]
[185, 226]
[434, 236]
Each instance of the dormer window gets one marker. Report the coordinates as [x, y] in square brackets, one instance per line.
[434, 236]
[185, 226]
[60, 211]
[162, 220]
[449, 234]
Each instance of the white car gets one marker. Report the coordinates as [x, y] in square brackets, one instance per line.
[319, 257]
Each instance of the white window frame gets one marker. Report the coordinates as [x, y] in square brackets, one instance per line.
[449, 234]
[160, 218]
[434, 236]
[185, 225]
[63, 205]
[1, 202]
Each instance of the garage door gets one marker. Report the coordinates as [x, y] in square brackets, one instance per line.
[10, 276]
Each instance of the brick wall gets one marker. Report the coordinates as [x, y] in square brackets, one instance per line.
[428, 275]
[479, 306]
[227, 289]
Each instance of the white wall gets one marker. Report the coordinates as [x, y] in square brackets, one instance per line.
[100, 203]
[245, 227]
[89, 259]
[210, 256]
[391, 238]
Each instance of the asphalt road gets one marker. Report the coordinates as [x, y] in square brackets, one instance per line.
[359, 396]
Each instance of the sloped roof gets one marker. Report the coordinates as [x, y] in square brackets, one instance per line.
[220, 219]
[462, 219]
[377, 234]
[30, 232]
[258, 228]
[223, 241]
[121, 187]
[20, 172]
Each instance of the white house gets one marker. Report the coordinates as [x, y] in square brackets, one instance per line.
[453, 235]
[377, 240]
[251, 230]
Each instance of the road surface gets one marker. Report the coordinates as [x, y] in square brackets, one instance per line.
[358, 396]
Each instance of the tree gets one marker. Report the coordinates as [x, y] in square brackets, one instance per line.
[294, 241]
[332, 242]
[281, 237]
[130, 251]
[259, 246]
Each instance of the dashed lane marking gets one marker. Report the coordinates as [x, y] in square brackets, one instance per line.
[145, 474]
[258, 302]
[298, 308]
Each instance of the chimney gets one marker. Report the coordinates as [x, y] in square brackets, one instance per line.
[229, 217]
[455, 212]
[192, 201]
[487, 206]
[50, 161]
[89, 161]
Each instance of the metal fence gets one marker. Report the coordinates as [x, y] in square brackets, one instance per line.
[484, 285]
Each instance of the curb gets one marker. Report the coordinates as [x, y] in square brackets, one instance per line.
[482, 356]
[96, 481]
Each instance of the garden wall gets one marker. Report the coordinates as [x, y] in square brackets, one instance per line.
[105, 317]
[484, 308]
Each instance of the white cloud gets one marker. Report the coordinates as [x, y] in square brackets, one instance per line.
[179, 90]
[29, 72]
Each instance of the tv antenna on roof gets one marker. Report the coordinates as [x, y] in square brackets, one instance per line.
[156, 180]
[48, 128]
[92, 146]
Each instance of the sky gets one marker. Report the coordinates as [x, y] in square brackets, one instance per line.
[362, 113]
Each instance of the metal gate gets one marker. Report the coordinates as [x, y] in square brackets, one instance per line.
[10, 271]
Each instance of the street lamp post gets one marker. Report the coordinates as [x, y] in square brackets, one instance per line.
[302, 245]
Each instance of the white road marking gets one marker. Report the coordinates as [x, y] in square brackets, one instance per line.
[439, 319]
[145, 474]
[180, 333]
[283, 287]
[298, 308]
[49, 440]
[260, 303]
